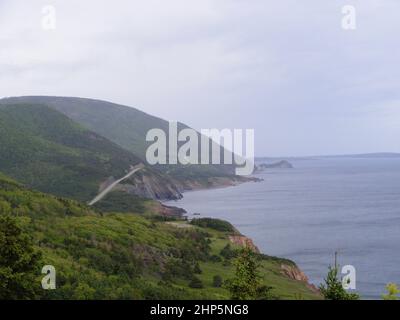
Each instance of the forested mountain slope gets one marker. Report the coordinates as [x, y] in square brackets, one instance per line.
[127, 127]
[46, 150]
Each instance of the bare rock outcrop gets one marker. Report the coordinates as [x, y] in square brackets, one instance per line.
[294, 272]
[243, 241]
[151, 185]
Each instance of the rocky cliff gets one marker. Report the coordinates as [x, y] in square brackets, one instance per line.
[294, 272]
[243, 241]
[149, 185]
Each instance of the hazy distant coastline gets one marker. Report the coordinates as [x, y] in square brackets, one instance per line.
[316, 157]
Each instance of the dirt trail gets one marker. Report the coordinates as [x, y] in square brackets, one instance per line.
[102, 194]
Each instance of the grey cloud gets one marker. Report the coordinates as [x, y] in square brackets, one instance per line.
[284, 68]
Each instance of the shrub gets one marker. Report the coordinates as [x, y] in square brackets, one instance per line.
[217, 281]
[215, 258]
[196, 269]
[196, 283]
[227, 252]
[216, 224]
[392, 292]
[176, 268]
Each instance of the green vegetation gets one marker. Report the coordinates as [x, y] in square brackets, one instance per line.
[196, 283]
[227, 253]
[123, 256]
[333, 288]
[123, 202]
[217, 281]
[127, 127]
[47, 151]
[216, 224]
[392, 292]
[19, 262]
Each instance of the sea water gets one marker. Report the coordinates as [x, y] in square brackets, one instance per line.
[348, 205]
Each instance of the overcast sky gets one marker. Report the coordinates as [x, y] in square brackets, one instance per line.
[286, 68]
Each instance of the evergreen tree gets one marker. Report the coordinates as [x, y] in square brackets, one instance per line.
[333, 287]
[197, 269]
[195, 283]
[19, 262]
[227, 252]
[246, 285]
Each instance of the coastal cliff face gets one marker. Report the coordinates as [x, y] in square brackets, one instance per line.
[243, 241]
[156, 186]
[152, 188]
[294, 272]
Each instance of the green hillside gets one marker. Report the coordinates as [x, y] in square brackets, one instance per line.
[47, 151]
[127, 127]
[125, 256]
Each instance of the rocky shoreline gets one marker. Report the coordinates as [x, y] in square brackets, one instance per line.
[214, 183]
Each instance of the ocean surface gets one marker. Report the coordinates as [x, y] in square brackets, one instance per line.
[348, 205]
